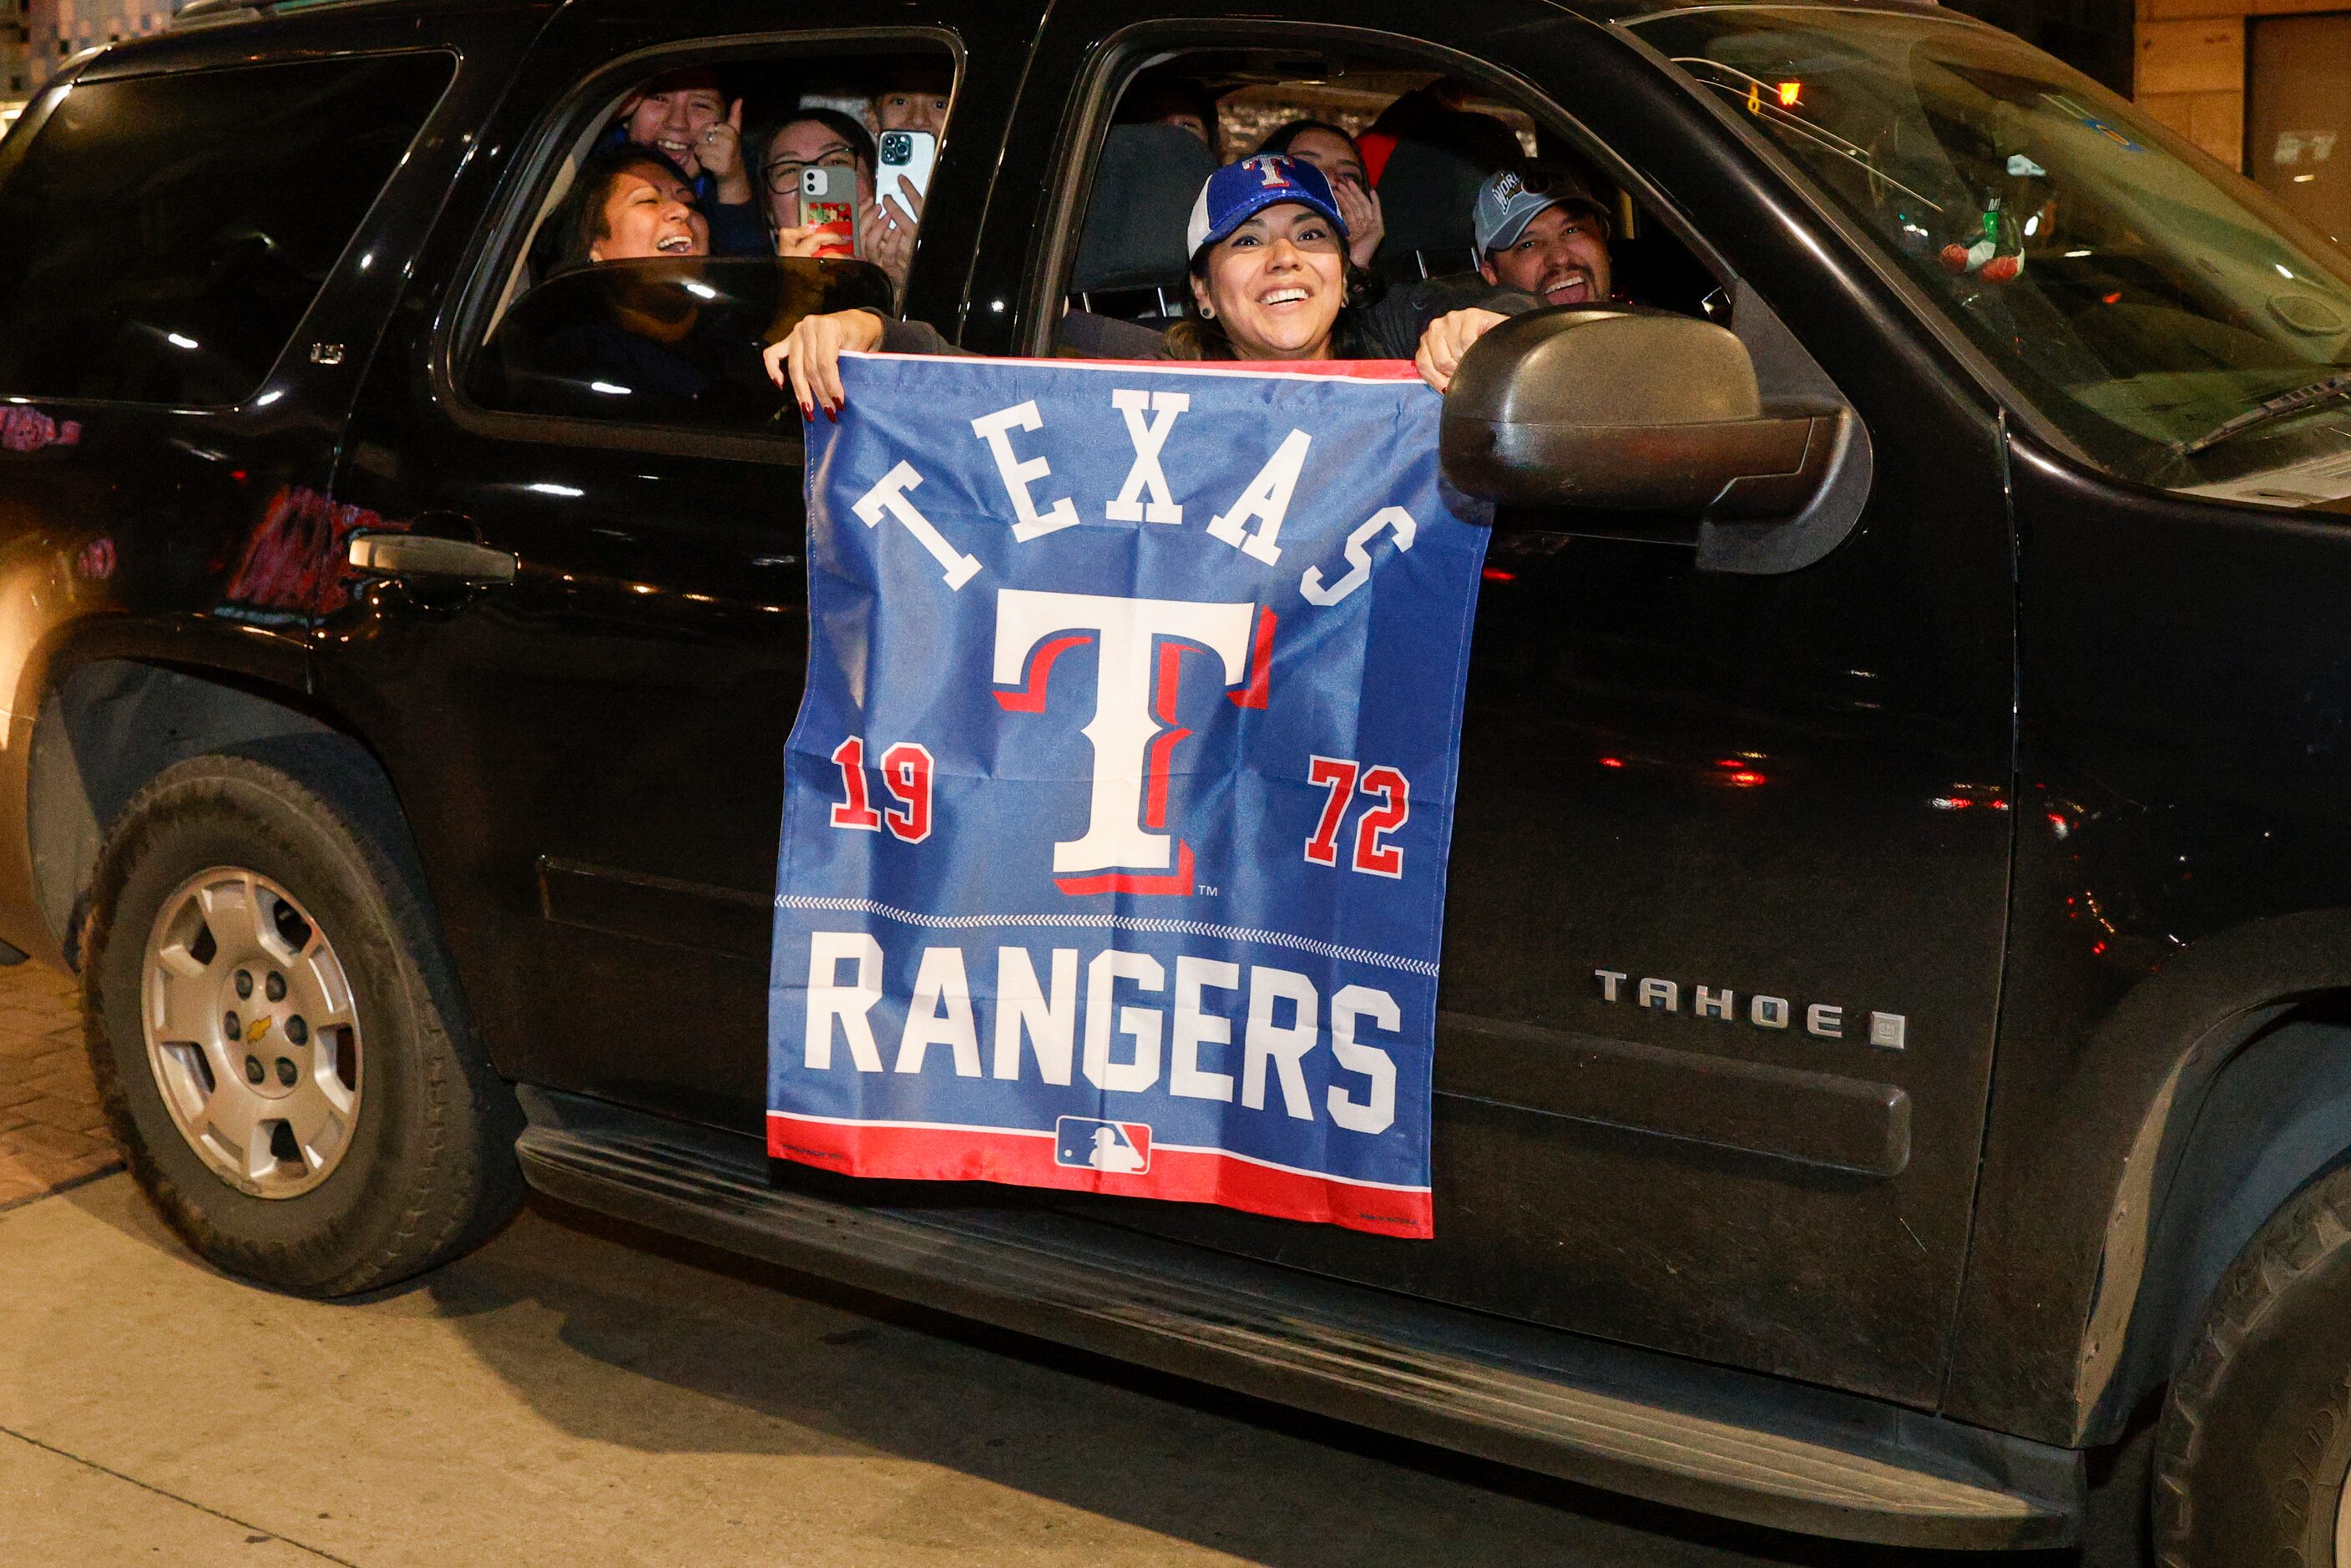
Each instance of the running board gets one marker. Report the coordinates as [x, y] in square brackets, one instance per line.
[1733, 1444]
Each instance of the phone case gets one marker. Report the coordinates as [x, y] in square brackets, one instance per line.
[908, 158]
[829, 199]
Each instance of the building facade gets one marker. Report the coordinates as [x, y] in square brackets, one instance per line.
[2264, 86]
[35, 34]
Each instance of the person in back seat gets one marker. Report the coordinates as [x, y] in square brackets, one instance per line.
[1545, 236]
[628, 203]
[1332, 150]
[685, 116]
[916, 99]
[822, 138]
[1270, 281]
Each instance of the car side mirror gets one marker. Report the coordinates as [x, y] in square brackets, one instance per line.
[1622, 411]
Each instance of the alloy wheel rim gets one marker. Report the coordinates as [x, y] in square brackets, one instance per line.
[251, 1032]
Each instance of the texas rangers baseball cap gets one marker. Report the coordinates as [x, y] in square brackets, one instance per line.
[1239, 192]
[1508, 201]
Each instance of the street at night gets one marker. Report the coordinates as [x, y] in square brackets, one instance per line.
[1099, 782]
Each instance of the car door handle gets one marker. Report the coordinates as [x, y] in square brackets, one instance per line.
[421, 555]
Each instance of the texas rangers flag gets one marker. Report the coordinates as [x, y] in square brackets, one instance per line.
[1116, 812]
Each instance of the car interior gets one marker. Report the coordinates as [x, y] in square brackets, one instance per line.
[1131, 262]
[712, 314]
[548, 330]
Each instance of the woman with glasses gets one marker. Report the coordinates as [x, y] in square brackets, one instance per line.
[825, 139]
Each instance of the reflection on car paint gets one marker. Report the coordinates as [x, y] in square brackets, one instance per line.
[293, 563]
[27, 429]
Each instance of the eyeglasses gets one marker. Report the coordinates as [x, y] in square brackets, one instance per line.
[784, 173]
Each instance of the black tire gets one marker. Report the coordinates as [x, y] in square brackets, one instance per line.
[2256, 1435]
[428, 1171]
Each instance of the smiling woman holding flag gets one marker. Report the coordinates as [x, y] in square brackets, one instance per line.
[1270, 281]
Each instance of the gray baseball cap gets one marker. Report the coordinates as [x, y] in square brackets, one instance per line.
[1509, 200]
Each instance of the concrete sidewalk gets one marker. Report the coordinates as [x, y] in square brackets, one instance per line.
[572, 1396]
[562, 1398]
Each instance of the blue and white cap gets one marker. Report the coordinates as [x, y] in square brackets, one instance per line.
[1506, 204]
[1239, 192]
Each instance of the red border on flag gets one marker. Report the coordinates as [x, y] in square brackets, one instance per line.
[899, 1152]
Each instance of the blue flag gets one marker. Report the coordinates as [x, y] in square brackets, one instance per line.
[1116, 812]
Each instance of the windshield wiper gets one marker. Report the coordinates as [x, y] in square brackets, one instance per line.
[2260, 414]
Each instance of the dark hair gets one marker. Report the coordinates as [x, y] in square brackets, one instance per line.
[1198, 336]
[1157, 94]
[686, 78]
[1278, 139]
[860, 139]
[926, 73]
[578, 221]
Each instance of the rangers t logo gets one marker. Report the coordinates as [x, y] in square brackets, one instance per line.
[1139, 646]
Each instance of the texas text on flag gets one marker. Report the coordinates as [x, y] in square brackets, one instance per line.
[1116, 812]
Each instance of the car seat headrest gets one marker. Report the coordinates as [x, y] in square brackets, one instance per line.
[1144, 191]
[1428, 195]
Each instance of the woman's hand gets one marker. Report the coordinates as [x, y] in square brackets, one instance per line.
[811, 354]
[1447, 338]
[1366, 224]
[886, 235]
[809, 239]
[720, 156]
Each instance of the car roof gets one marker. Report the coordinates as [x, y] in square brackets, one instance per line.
[208, 12]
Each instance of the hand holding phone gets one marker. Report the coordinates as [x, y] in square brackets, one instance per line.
[908, 158]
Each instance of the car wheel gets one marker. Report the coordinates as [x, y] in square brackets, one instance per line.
[275, 1031]
[2255, 1447]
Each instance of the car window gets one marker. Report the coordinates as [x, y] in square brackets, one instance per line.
[693, 218]
[1406, 150]
[162, 236]
[2143, 300]
[668, 341]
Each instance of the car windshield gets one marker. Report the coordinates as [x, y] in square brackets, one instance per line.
[2136, 295]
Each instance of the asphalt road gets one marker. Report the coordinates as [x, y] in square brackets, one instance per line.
[577, 1394]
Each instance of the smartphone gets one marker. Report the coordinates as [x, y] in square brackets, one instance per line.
[829, 199]
[907, 157]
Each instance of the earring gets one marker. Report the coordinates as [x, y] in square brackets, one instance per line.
[1207, 312]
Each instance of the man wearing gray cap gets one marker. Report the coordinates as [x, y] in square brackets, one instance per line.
[1548, 239]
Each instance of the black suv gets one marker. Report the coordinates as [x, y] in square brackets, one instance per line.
[1895, 1077]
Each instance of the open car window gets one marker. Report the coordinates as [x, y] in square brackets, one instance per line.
[672, 341]
[685, 216]
[1424, 145]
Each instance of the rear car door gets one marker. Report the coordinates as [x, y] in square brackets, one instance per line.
[1787, 785]
[591, 753]
[203, 234]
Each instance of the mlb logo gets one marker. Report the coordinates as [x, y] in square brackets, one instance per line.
[1120, 1146]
